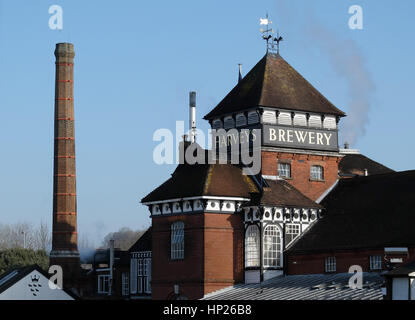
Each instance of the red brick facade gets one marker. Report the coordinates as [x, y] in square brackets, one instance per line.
[300, 170]
[213, 255]
[314, 263]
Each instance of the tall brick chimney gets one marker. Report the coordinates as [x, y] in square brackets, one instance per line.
[64, 234]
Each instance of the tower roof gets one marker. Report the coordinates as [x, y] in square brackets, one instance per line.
[273, 83]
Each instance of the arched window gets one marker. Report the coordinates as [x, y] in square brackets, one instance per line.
[272, 247]
[177, 240]
[252, 246]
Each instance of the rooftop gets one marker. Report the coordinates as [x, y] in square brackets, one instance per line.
[273, 83]
[304, 287]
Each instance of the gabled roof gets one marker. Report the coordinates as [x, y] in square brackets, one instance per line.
[143, 243]
[365, 212]
[281, 193]
[224, 180]
[355, 164]
[273, 83]
[304, 287]
[12, 276]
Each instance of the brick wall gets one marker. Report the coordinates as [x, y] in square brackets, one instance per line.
[213, 255]
[300, 170]
[313, 263]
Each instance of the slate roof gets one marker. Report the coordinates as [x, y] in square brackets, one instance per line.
[365, 212]
[273, 83]
[355, 164]
[203, 180]
[143, 243]
[304, 287]
[281, 193]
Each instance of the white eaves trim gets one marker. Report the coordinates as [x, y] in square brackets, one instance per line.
[197, 198]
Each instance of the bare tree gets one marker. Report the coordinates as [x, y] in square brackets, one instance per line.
[24, 235]
[43, 236]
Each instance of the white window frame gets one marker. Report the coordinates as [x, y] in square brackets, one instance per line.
[330, 264]
[177, 241]
[272, 247]
[103, 280]
[317, 172]
[376, 262]
[292, 229]
[283, 172]
[252, 246]
[125, 284]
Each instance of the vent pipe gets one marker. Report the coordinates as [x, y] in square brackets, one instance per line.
[192, 116]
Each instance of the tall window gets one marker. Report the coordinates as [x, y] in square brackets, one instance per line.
[330, 264]
[177, 240]
[140, 276]
[375, 262]
[272, 246]
[252, 246]
[316, 173]
[125, 284]
[291, 232]
[284, 170]
[103, 283]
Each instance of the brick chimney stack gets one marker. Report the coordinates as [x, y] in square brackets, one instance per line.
[64, 234]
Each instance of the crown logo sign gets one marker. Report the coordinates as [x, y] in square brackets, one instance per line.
[35, 278]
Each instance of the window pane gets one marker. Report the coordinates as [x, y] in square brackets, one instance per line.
[291, 232]
[252, 246]
[284, 170]
[316, 173]
[272, 247]
[177, 240]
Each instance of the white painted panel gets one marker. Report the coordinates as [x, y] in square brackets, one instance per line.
[253, 117]
[285, 118]
[213, 205]
[28, 288]
[412, 289]
[252, 276]
[228, 206]
[400, 288]
[314, 121]
[197, 205]
[329, 122]
[156, 210]
[269, 117]
[187, 206]
[304, 227]
[166, 208]
[217, 124]
[176, 207]
[240, 120]
[229, 122]
[269, 274]
[300, 119]
[278, 215]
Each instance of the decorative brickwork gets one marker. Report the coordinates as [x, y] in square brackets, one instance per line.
[64, 236]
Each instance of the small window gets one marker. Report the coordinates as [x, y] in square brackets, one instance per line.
[284, 170]
[316, 173]
[103, 283]
[177, 240]
[291, 232]
[330, 264]
[375, 262]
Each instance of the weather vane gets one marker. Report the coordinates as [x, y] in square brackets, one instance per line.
[268, 35]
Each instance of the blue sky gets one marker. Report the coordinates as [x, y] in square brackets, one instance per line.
[136, 61]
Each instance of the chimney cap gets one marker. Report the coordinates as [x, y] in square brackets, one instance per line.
[64, 50]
